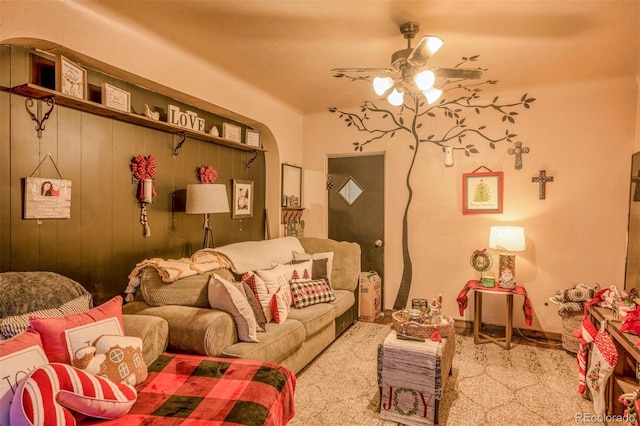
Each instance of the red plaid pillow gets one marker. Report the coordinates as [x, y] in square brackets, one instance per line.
[310, 292]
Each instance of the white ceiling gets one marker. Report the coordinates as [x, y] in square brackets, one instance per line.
[288, 47]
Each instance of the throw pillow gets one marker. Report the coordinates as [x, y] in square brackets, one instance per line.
[225, 296]
[51, 390]
[279, 306]
[280, 275]
[19, 356]
[53, 330]
[319, 269]
[12, 325]
[306, 293]
[118, 358]
[259, 289]
[255, 306]
[313, 256]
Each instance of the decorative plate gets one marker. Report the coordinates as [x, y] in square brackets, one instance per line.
[481, 261]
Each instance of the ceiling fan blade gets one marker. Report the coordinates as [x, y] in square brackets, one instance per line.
[426, 47]
[465, 73]
[350, 70]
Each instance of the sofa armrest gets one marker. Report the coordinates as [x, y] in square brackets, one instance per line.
[154, 332]
[197, 330]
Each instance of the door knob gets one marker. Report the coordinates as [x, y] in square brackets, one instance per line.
[378, 243]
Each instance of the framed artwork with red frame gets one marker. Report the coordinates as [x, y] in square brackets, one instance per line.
[482, 192]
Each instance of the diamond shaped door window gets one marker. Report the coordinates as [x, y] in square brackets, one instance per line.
[350, 191]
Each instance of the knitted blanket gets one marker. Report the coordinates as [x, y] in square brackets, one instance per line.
[473, 284]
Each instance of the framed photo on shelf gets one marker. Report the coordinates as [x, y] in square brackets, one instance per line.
[231, 132]
[482, 192]
[252, 138]
[242, 199]
[71, 79]
[116, 98]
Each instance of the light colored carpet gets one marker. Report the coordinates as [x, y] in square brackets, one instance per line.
[489, 386]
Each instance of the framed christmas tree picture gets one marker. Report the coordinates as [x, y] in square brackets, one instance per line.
[482, 191]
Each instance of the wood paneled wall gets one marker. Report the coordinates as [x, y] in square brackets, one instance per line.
[103, 240]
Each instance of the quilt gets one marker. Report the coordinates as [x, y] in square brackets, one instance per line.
[199, 390]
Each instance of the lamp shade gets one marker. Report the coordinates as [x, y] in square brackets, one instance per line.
[207, 198]
[509, 238]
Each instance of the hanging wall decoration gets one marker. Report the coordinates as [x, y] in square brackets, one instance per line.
[207, 174]
[482, 191]
[47, 198]
[144, 170]
[542, 180]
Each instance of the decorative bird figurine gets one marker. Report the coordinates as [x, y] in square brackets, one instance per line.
[154, 115]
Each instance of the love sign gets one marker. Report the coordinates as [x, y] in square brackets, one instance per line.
[188, 119]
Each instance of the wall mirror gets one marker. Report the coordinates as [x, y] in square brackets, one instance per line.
[632, 273]
[291, 186]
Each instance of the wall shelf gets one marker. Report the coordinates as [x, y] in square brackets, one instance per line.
[42, 93]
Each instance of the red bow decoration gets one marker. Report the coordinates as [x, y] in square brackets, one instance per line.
[207, 174]
[144, 168]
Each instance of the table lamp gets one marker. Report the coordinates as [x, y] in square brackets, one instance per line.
[508, 239]
[206, 199]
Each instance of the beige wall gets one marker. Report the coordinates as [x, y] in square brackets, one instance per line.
[581, 134]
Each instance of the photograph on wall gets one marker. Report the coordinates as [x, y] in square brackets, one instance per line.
[47, 198]
[242, 199]
[482, 192]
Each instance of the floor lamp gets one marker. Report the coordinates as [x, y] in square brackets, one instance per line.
[206, 199]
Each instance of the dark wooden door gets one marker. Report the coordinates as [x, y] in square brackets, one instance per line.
[356, 206]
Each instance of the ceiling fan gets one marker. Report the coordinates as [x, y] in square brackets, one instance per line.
[411, 63]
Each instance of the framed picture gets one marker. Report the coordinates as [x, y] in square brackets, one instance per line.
[71, 79]
[46, 198]
[116, 98]
[231, 132]
[252, 138]
[242, 199]
[482, 192]
[291, 186]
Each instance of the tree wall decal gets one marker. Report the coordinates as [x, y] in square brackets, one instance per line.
[461, 98]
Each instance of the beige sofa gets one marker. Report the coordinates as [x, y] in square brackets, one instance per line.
[195, 327]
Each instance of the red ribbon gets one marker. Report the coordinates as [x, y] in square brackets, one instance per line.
[207, 174]
[144, 168]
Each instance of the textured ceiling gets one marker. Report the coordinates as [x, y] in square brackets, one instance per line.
[288, 48]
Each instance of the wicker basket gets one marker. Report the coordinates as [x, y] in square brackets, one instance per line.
[571, 322]
[445, 328]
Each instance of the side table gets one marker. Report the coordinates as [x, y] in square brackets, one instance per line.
[479, 289]
[411, 377]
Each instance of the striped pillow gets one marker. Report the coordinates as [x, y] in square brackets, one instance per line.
[51, 390]
[13, 325]
[310, 292]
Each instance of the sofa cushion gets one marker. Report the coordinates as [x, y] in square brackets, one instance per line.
[345, 299]
[188, 291]
[154, 332]
[325, 258]
[346, 260]
[315, 317]
[277, 343]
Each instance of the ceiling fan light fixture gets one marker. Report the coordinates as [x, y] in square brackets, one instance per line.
[382, 84]
[432, 95]
[396, 98]
[425, 79]
[434, 44]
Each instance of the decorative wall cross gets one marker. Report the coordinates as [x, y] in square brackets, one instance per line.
[542, 180]
[518, 151]
[636, 193]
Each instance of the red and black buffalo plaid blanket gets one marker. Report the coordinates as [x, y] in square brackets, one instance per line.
[197, 390]
[473, 284]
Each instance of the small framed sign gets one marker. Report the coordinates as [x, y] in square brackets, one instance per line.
[46, 198]
[482, 192]
[231, 132]
[253, 138]
[116, 98]
[71, 79]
